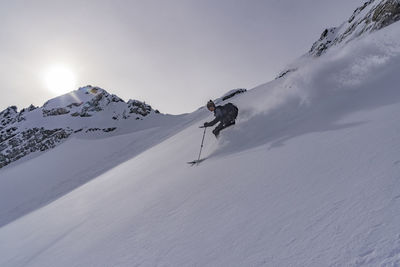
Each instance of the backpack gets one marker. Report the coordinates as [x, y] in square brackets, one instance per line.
[231, 110]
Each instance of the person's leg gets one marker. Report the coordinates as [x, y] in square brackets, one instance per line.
[222, 126]
[218, 129]
[229, 123]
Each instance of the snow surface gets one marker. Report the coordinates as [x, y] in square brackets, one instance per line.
[309, 176]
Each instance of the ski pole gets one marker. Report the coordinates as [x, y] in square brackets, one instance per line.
[202, 141]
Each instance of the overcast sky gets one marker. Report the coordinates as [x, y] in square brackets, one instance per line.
[173, 54]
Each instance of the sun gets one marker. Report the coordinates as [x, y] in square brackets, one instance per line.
[60, 79]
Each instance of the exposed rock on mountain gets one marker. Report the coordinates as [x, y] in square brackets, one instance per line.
[372, 16]
[234, 92]
[88, 110]
[18, 145]
[8, 116]
[140, 108]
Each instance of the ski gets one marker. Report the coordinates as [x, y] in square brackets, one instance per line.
[195, 162]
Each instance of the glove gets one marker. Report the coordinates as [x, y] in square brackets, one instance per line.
[206, 124]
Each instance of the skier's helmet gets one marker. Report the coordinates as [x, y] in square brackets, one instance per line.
[210, 104]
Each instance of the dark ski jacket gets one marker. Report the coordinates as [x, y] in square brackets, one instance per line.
[224, 114]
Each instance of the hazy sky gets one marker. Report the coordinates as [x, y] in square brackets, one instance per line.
[173, 54]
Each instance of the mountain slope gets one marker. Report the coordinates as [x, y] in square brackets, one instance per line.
[372, 16]
[99, 130]
[309, 176]
[86, 152]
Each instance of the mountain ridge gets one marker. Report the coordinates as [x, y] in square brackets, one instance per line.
[308, 176]
[373, 15]
[86, 110]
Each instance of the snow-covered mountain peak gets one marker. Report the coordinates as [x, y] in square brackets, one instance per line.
[83, 102]
[80, 96]
[88, 110]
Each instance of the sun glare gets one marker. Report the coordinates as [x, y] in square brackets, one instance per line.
[60, 80]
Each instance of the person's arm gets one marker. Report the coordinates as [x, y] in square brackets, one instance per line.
[218, 116]
[211, 123]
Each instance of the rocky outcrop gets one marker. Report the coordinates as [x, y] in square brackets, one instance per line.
[372, 16]
[325, 41]
[17, 145]
[8, 116]
[139, 108]
[284, 73]
[106, 130]
[386, 13]
[101, 100]
[55, 112]
[233, 93]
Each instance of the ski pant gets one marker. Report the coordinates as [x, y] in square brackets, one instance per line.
[222, 126]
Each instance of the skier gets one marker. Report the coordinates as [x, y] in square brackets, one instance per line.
[225, 114]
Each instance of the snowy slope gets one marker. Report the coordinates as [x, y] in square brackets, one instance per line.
[100, 131]
[84, 155]
[309, 176]
[25, 187]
